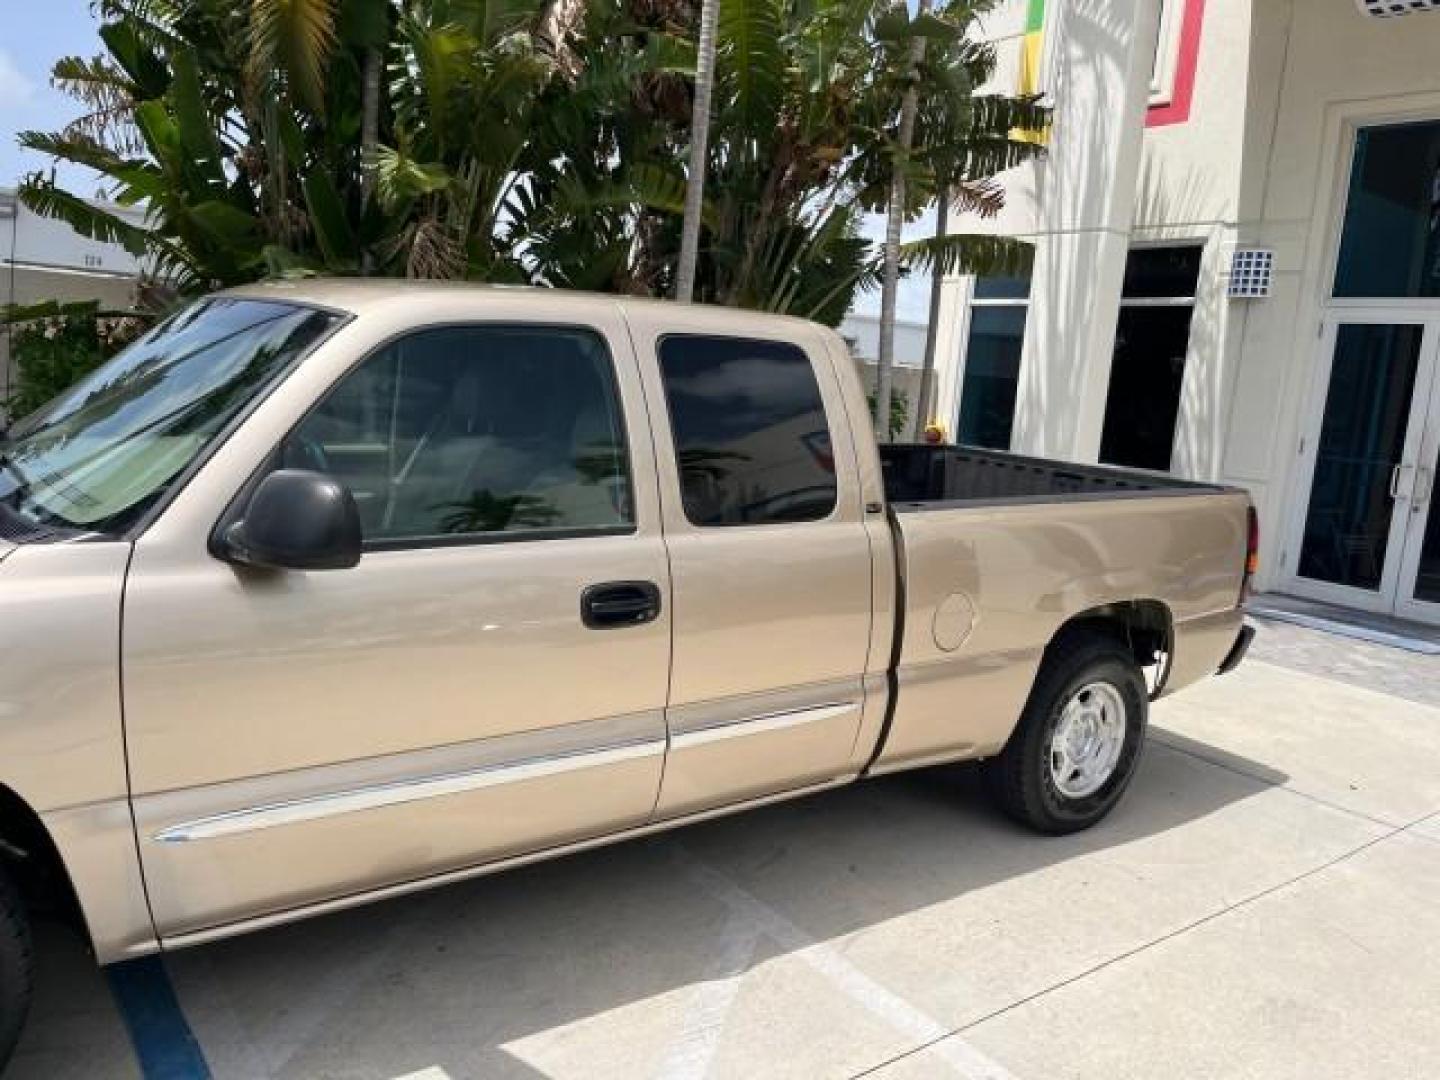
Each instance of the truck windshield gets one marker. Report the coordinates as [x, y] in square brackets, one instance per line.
[95, 458]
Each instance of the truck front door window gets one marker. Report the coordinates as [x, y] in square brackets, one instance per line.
[468, 431]
[750, 431]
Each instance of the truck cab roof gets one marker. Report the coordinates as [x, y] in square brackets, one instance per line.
[359, 296]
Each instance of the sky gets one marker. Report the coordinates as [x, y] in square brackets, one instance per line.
[36, 34]
[50, 29]
[912, 299]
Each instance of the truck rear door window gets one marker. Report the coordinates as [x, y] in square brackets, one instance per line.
[477, 432]
[751, 440]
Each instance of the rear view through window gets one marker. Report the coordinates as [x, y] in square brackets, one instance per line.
[750, 431]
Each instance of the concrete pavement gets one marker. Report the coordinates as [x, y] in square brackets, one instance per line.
[1265, 902]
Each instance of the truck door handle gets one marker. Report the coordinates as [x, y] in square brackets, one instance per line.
[1397, 474]
[614, 604]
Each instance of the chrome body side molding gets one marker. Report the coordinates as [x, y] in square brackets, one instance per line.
[453, 771]
[758, 725]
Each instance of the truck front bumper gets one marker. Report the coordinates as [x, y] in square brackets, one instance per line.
[1238, 650]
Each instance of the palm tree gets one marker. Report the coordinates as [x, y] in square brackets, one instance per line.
[533, 141]
[964, 150]
[699, 140]
[924, 398]
[894, 222]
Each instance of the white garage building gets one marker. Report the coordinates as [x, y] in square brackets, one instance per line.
[44, 259]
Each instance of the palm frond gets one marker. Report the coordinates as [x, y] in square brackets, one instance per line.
[138, 179]
[136, 49]
[295, 37]
[434, 251]
[41, 195]
[750, 60]
[399, 178]
[994, 114]
[968, 253]
[984, 197]
[108, 95]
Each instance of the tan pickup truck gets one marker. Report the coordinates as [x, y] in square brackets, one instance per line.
[328, 591]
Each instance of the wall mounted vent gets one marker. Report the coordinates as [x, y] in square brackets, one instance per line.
[1387, 9]
[1252, 274]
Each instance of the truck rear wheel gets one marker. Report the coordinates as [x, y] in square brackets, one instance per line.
[1079, 739]
[14, 967]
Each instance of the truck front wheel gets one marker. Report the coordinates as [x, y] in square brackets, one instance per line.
[14, 967]
[1079, 739]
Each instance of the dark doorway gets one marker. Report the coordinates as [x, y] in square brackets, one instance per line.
[1147, 371]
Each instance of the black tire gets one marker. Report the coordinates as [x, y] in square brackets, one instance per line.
[15, 967]
[1021, 780]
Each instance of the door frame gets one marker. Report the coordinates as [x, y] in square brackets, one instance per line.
[1399, 560]
[1417, 517]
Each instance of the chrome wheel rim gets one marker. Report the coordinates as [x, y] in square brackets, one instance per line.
[1085, 748]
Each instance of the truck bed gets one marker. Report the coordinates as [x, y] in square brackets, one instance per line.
[919, 476]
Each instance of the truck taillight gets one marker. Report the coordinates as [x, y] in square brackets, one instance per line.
[1252, 552]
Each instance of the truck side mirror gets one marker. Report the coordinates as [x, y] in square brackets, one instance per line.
[296, 520]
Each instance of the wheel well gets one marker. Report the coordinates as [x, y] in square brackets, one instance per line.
[1142, 626]
[30, 856]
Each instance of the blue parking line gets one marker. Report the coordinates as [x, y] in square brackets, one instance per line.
[164, 1043]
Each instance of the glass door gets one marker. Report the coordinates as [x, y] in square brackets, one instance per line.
[1363, 453]
[1363, 533]
[1420, 568]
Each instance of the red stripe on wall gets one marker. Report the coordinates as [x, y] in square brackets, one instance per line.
[1177, 109]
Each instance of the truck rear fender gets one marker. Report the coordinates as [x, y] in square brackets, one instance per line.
[1145, 627]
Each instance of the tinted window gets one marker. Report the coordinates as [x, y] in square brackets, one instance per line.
[1147, 371]
[475, 430]
[992, 376]
[750, 431]
[1162, 272]
[1146, 376]
[1002, 288]
[1390, 245]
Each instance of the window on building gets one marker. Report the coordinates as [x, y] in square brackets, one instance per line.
[1148, 367]
[1390, 241]
[1167, 53]
[991, 376]
[475, 431]
[750, 432]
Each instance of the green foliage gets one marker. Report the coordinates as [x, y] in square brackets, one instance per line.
[529, 141]
[52, 345]
[899, 410]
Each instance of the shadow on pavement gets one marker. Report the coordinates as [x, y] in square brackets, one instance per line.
[1216, 756]
[467, 978]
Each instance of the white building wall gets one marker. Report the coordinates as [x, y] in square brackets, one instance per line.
[1076, 206]
[1003, 27]
[1320, 74]
[1261, 160]
[1189, 190]
[26, 238]
[863, 330]
[1102, 52]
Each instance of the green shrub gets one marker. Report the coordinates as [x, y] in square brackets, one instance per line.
[899, 410]
[53, 345]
